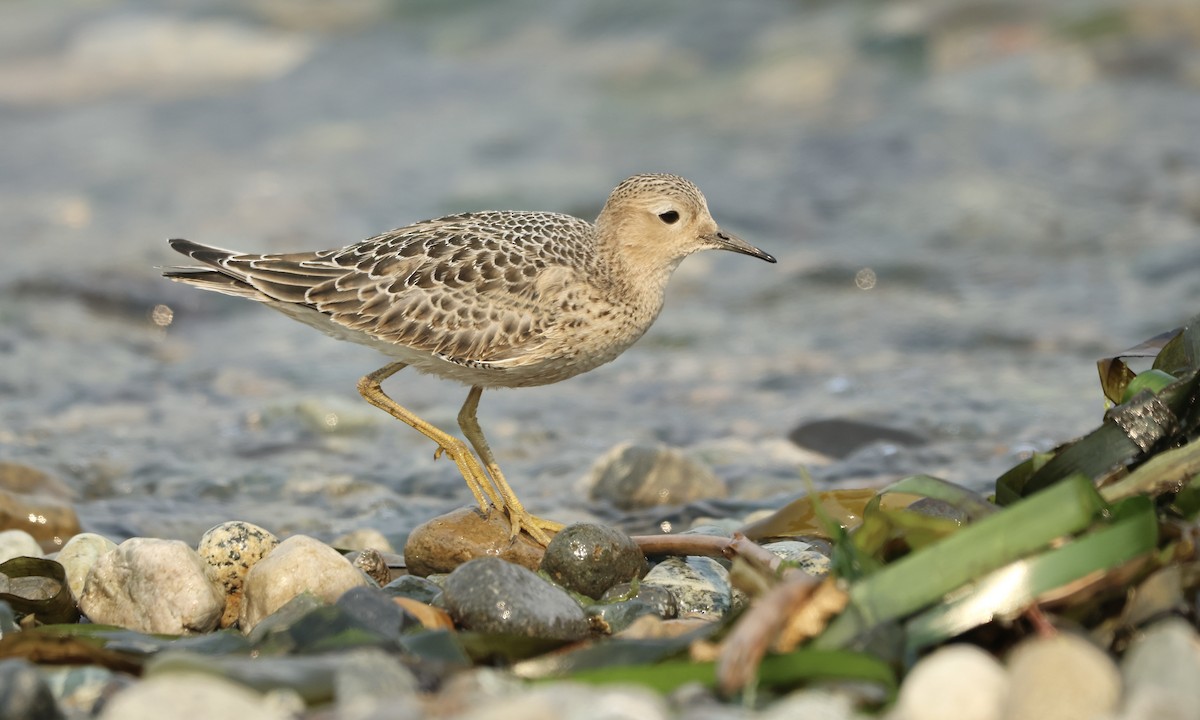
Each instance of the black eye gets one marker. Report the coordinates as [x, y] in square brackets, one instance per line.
[670, 217]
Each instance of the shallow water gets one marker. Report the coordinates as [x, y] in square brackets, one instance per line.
[969, 209]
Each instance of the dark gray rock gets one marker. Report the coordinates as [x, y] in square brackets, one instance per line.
[660, 599]
[494, 596]
[413, 587]
[374, 610]
[589, 559]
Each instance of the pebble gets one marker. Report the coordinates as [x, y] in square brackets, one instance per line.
[79, 555]
[493, 596]
[190, 695]
[372, 564]
[955, 682]
[24, 694]
[700, 586]
[367, 538]
[814, 705]
[298, 564]
[447, 541]
[1161, 671]
[658, 598]
[573, 701]
[372, 609]
[589, 559]
[633, 477]
[1065, 677]
[373, 683]
[18, 543]
[153, 586]
[231, 549]
[801, 554]
[82, 689]
[413, 587]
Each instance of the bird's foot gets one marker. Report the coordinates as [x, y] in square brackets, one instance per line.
[540, 529]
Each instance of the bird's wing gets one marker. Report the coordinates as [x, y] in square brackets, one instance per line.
[475, 289]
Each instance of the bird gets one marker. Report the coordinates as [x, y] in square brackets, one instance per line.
[491, 299]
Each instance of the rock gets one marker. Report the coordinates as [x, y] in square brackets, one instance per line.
[956, 682]
[373, 565]
[362, 540]
[573, 701]
[822, 704]
[79, 555]
[589, 559]
[800, 554]
[18, 543]
[1161, 670]
[230, 550]
[82, 689]
[153, 586]
[189, 695]
[494, 596]
[700, 585]
[632, 477]
[1064, 677]
[372, 609]
[414, 588]
[660, 599]
[373, 683]
[445, 542]
[839, 437]
[299, 564]
[23, 693]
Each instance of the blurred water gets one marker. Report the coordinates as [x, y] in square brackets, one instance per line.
[1022, 184]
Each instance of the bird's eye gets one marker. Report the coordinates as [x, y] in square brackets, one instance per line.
[670, 217]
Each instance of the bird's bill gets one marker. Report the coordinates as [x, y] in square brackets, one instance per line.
[728, 241]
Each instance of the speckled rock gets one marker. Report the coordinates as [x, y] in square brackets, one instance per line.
[956, 682]
[640, 476]
[298, 564]
[79, 555]
[589, 558]
[231, 549]
[23, 693]
[18, 543]
[154, 586]
[372, 564]
[700, 585]
[189, 695]
[445, 542]
[1064, 677]
[491, 595]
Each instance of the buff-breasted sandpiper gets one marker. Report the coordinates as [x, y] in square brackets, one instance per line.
[490, 299]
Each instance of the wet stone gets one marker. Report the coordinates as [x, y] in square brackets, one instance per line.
[298, 565]
[153, 586]
[800, 554]
[613, 617]
[632, 477]
[700, 586]
[23, 693]
[18, 543]
[660, 599]
[231, 549]
[79, 555]
[589, 559]
[493, 596]
[445, 542]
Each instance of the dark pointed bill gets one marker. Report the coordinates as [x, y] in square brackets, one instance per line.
[729, 241]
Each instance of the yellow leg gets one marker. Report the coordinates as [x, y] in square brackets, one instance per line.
[477, 480]
[518, 516]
